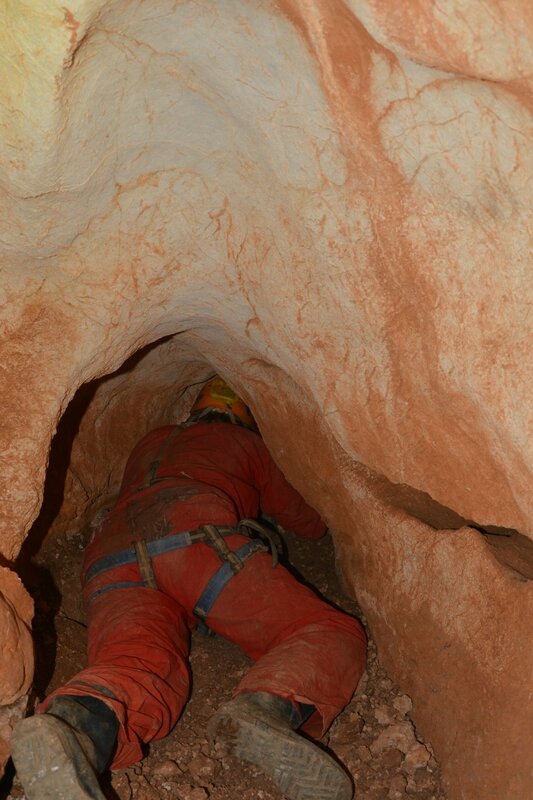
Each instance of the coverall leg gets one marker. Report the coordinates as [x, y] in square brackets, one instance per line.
[305, 650]
[138, 650]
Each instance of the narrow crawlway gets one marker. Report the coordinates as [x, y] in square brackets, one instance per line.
[374, 737]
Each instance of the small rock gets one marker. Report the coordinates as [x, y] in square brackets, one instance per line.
[363, 754]
[192, 793]
[367, 735]
[402, 704]
[142, 790]
[416, 757]
[170, 787]
[367, 714]
[377, 791]
[384, 715]
[397, 788]
[356, 721]
[400, 736]
[391, 759]
[422, 781]
[167, 769]
[343, 751]
[347, 729]
[121, 785]
[202, 768]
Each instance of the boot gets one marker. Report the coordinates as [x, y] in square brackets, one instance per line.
[259, 728]
[59, 754]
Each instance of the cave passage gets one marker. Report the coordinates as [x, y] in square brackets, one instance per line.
[94, 484]
[375, 737]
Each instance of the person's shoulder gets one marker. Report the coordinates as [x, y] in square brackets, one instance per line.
[222, 427]
[232, 433]
[251, 441]
[158, 434]
[163, 430]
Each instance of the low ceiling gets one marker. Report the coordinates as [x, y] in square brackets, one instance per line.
[330, 204]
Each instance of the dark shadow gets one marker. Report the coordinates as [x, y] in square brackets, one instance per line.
[107, 789]
[37, 579]
[60, 453]
[58, 462]
[6, 782]
[47, 598]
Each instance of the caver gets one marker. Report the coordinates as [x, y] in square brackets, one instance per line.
[180, 548]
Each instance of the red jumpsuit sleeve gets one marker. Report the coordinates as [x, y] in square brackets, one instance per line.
[280, 500]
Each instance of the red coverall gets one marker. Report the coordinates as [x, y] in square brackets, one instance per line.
[304, 650]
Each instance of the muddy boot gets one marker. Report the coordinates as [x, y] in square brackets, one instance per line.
[259, 728]
[59, 754]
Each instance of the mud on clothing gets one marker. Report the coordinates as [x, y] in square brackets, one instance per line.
[304, 650]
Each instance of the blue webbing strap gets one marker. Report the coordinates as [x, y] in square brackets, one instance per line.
[155, 548]
[222, 576]
[164, 545]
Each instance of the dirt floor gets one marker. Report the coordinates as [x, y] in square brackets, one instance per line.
[374, 737]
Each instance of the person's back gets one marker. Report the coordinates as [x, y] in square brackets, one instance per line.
[220, 474]
[230, 459]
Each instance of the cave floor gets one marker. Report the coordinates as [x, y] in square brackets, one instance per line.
[374, 737]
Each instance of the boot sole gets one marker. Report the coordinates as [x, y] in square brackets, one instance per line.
[300, 769]
[48, 766]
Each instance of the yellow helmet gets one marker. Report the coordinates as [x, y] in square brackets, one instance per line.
[217, 396]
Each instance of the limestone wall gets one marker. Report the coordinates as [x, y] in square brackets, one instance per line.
[329, 203]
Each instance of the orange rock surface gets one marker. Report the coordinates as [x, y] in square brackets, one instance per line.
[330, 204]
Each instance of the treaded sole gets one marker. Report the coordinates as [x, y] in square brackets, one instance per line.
[47, 765]
[300, 769]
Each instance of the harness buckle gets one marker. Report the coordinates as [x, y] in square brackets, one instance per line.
[216, 540]
[145, 564]
[269, 537]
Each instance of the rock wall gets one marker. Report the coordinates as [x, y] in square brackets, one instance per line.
[330, 204]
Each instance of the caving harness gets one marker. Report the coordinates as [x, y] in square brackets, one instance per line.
[143, 550]
[233, 561]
